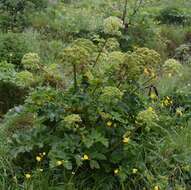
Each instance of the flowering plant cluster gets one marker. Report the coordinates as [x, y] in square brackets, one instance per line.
[99, 125]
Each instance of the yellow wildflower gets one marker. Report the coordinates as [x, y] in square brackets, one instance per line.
[156, 187]
[109, 123]
[153, 96]
[42, 154]
[167, 101]
[85, 157]
[150, 109]
[179, 112]
[126, 140]
[28, 176]
[116, 171]
[38, 158]
[135, 170]
[59, 163]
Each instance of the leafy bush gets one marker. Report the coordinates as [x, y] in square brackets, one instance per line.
[11, 93]
[12, 47]
[31, 61]
[139, 33]
[172, 66]
[14, 13]
[173, 36]
[183, 53]
[172, 15]
[96, 129]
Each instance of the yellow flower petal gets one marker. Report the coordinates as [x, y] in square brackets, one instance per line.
[28, 176]
[85, 157]
[150, 109]
[59, 163]
[38, 158]
[156, 187]
[126, 140]
[135, 170]
[116, 171]
[153, 96]
[109, 123]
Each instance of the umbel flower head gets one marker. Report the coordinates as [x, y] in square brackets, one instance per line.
[25, 78]
[134, 64]
[115, 58]
[72, 119]
[86, 44]
[172, 66]
[112, 45]
[150, 57]
[31, 61]
[111, 94]
[75, 55]
[53, 70]
[124, 66]
[112, 26]
[148, 117]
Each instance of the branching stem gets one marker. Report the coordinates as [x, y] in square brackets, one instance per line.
[98, 56]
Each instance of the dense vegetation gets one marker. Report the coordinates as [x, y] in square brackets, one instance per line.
[95, 95]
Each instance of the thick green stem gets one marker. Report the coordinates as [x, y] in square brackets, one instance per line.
[144, 83]
[97, 58]
[75, 77]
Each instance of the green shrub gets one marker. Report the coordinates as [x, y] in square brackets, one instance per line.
[172, 15]
[31, 61]
[50, 50]
[172, 66]
[25, 78]
[183, 53]
[139, 33]
[11, 93]
[98, 130]
[173, 36]
[13, 47]
[14, 13]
